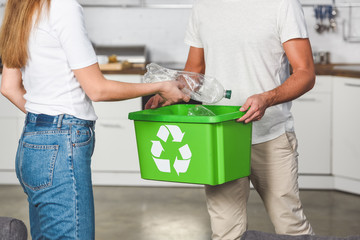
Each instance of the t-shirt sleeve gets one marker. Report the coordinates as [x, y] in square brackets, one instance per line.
[291, 21]
[192, 36]
[68, 22]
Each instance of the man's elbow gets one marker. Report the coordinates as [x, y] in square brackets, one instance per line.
[312, 79]
[308, 75]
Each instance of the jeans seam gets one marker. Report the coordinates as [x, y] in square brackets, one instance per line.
[49, 132]
[72, 171]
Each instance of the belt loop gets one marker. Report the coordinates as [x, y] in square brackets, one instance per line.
[61, 116]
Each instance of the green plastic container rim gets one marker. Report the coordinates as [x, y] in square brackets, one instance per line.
[178, 113]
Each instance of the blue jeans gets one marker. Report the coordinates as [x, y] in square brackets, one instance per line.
[53, 166]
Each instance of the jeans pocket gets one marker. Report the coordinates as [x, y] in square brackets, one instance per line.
[37, 163]
[81, 135]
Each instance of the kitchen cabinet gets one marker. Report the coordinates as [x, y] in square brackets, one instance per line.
[110, 2]
[8, 143]
[10, 132]
[169, 2]
[312, 116]
[11, 124]
[136, 2]
[115, 148]
[346, 123]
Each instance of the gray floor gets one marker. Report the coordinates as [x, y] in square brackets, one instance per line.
[135, 213]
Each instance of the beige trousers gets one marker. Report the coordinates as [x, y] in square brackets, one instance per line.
[274, 175]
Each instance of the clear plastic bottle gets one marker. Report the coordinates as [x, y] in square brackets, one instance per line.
[200, 110]
[198, 86]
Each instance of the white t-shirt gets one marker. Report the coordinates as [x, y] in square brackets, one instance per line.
[57, 45]
[242, 42]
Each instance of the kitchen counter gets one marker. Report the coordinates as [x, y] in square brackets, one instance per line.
[131, 71]
[341, 70]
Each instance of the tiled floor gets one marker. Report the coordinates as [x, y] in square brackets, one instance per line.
[136, 213]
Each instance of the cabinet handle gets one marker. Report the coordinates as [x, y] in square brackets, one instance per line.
[352, 85]
[306, 99]
[109, 125]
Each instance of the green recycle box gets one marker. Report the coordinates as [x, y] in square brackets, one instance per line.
[175, 147]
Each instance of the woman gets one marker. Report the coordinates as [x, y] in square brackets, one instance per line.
[51, 74]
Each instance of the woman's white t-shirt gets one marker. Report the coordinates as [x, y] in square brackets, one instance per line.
[58, 44]
[242, 42]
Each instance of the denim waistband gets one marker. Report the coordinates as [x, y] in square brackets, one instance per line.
[57, 120]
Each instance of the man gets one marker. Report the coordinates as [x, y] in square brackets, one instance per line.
[247, 45]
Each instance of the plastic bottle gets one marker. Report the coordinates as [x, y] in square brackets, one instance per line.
[200, 110]
[198, 86]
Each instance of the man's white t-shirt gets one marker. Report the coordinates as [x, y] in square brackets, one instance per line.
[57, 45]
[242, 42]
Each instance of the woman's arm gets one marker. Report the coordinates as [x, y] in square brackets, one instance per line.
[12, 87]
[98, 88]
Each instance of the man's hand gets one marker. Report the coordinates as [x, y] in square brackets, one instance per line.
[256, 106]
[302, 80]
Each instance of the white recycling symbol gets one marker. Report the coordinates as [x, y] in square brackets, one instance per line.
[163, 165]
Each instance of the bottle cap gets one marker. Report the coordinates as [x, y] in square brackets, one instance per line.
[228, 94]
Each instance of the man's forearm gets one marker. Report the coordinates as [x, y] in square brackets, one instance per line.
[300, 82]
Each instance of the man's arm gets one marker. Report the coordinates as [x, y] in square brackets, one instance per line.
[195, 63]
[302, 80]
[12, 87]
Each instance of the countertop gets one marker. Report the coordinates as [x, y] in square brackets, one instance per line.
[343, 70]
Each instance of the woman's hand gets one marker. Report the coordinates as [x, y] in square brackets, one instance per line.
[170, 93]
[154, 102]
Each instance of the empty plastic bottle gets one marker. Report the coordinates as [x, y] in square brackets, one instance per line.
[200, 110]
[198, 86]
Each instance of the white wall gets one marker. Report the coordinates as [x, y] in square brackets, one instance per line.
[162, 30]
[333, 42]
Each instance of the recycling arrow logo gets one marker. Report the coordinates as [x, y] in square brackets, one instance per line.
[164, 165]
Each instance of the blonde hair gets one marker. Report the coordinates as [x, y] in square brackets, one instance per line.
[15, 30]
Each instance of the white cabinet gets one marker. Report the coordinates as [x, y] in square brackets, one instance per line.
[110, 2]
[346, 122]
[135, 2]
[312, 116]
[8, 143]
[10, 128]
[115, 148]
[168, 2]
